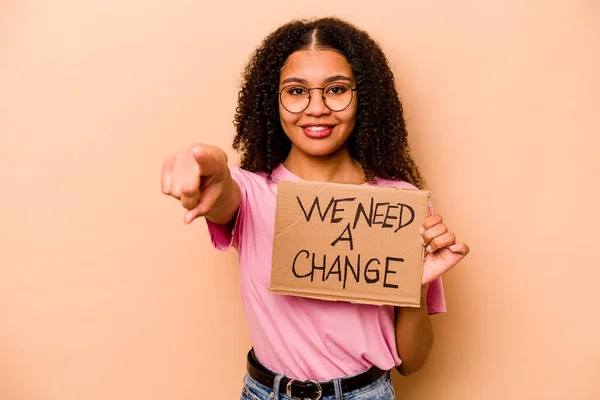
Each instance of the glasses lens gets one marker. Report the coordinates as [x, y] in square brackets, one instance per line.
[295, 98]
[337, 96]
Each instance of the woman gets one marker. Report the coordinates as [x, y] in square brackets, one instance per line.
[318, 103]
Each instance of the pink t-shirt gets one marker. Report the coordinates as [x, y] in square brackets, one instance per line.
[300, 337]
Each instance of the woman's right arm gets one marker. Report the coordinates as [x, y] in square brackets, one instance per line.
[199, 177]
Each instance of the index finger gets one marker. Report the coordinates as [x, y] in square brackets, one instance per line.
[206, 161]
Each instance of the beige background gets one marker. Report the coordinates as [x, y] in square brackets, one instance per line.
[105, 294]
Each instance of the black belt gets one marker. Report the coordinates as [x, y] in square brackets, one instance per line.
[309, 389]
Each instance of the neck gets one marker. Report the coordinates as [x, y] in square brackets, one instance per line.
[339, 167]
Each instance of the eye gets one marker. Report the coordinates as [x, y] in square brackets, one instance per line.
[337, 89]
[296, 91]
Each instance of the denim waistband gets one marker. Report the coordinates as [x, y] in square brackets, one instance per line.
[381, 389]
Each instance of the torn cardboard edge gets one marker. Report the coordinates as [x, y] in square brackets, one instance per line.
[349, 299]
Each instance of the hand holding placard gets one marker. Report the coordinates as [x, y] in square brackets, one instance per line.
[443, 250]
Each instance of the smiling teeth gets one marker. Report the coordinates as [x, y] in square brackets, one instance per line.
[316, 128]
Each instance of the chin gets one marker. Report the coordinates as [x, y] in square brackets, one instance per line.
[319, 149]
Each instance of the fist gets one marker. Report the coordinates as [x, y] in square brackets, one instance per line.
[443, 249]
[195, 177]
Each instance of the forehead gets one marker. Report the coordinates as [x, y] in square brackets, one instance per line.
[315, 65]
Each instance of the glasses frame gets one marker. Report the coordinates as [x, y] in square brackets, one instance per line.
[352, 90]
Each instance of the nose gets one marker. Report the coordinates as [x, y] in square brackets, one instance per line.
[316, 103]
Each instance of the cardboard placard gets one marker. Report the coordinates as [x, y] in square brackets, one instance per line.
[355, 243]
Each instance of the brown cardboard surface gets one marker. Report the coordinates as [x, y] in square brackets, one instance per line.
[354, 243]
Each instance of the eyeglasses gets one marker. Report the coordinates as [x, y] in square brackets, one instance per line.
[336, 96]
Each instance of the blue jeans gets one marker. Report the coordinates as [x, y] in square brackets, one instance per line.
[381, 389]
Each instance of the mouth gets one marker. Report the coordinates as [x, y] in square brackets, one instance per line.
[317, 131]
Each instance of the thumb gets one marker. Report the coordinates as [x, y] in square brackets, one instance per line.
[206, 161]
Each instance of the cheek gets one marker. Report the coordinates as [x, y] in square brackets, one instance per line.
[349, 117]
[287, 119]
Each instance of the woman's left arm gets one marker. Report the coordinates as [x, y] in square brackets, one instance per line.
[414, 336]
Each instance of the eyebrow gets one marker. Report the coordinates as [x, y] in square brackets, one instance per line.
[328, 80]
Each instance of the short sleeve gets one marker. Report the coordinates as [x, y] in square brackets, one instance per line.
[224, 237]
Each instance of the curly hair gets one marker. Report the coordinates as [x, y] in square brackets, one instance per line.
[379, 140]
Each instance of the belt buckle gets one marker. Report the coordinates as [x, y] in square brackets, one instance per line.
[288, 389]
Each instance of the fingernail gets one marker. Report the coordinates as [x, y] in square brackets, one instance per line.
[454, 247]
[422, 230]
[429, 249]
[422, 242]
